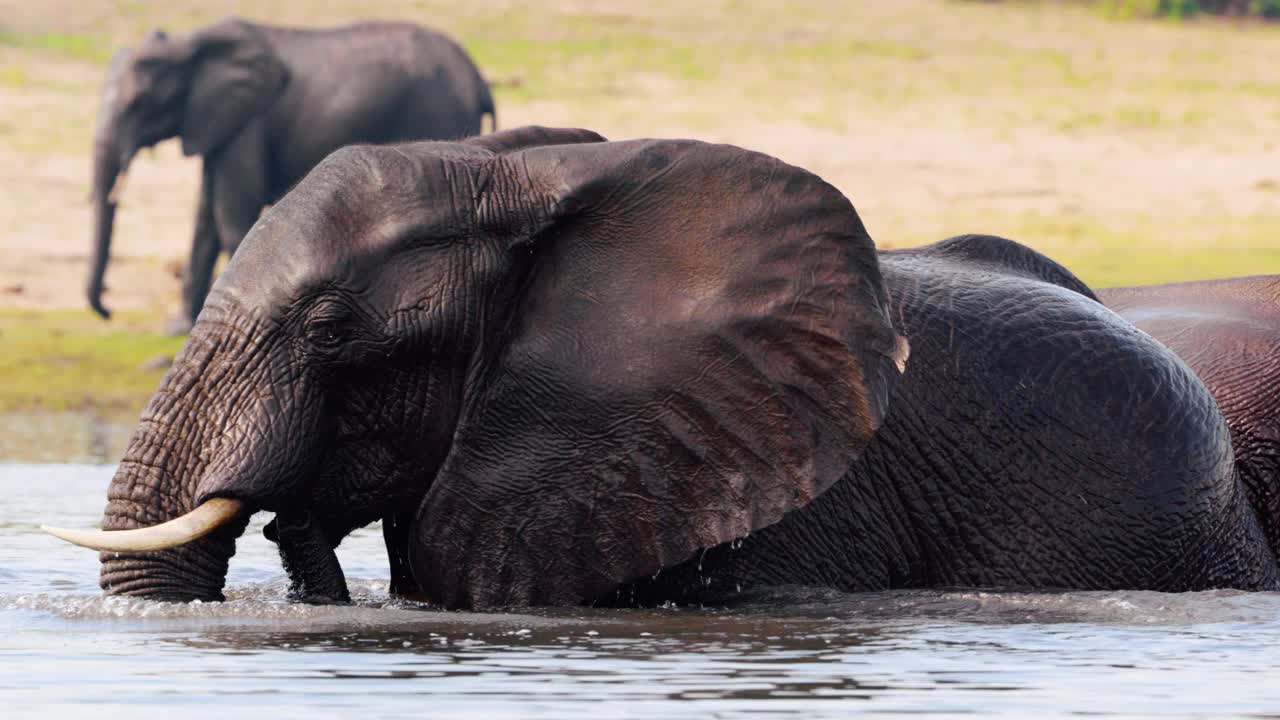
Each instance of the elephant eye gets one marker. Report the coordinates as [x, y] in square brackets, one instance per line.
[325, 333]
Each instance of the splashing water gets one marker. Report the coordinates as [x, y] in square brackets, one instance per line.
[794, 652]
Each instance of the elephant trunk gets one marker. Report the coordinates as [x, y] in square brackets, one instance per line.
[109, 165]
[142, 495]
[113, 147]
[159, 479]
[194, 571]
[223, 434]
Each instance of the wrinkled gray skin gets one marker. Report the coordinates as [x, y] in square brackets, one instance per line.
[1038, 440]
[413, 325]
[565, 373]
[262, 105]
[1228, 332]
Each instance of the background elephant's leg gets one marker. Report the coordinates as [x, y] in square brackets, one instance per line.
[395, 532]
[198, 274]
[315, 576]
[235, 213]
[238, 175]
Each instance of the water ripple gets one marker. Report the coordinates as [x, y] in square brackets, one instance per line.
[792, 652]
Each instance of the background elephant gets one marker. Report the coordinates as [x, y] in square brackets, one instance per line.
[579, 372]
[1228, 331]
[263, 105]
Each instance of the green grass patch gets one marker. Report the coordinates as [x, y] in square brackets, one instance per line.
[1126, 76]
[85, 48]
[24, 130]
[14, 76]
[57, 360]
[847, 49]
[576, 68]
[1110, 267]
[1138, 117]
[1134, 250]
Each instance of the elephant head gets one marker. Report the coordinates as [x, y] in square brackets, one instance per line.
[580, 363]
[202, 87]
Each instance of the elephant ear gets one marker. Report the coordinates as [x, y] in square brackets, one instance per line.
[235, 75]
[702, 346]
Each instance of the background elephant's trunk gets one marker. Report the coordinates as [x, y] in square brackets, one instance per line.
[159, 479]
[107, 167]
[113, 147]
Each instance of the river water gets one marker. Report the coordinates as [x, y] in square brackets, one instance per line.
[67, 652]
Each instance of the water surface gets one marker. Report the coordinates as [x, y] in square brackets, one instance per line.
[65, 651]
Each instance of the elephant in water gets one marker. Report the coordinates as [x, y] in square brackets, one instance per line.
[1228, 331]
[263, 105]
[563, 370]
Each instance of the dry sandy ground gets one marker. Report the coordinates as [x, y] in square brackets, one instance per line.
[914, 177]
[887, 171]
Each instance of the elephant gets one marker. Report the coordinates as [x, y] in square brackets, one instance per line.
[1228, 332]
[564, 370]
[262, 105]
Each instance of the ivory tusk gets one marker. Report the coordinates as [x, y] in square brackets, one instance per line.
[901, 351]
[209, 516]
[117, 188]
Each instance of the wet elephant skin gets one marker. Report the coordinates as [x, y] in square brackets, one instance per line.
[1228, 332]
[564, 370]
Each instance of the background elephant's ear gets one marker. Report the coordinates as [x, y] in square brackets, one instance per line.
[702, 346]
[521, 138]
[235, 75]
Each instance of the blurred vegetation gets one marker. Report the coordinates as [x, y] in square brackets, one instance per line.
[1109, 140]
[1190, 8]
[1185, 9]
[56, 360]
[89, 48]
